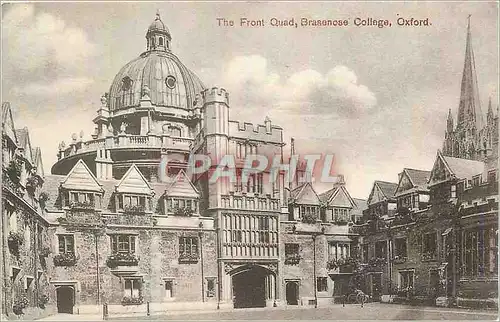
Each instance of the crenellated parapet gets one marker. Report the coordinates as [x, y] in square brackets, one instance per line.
[215, 95]
[260, 132]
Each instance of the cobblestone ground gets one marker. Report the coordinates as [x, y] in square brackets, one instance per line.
[371, 311]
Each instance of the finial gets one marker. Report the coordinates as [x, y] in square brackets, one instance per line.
[468, 21]
[157, 14]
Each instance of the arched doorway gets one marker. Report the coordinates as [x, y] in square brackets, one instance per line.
[249, 287]
[65, 299]
[292, 293]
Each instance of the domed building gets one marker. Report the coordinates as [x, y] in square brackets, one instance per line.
[149, 112]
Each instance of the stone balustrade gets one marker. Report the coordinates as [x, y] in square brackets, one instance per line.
[124, 141]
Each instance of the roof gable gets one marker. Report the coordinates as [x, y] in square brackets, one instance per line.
[37, 161]
[342, 199]
[405, 183]
[381, 191]
[446, 168]
[24, 142]
[182, 187]
[307, 195]
[81, 178]
[8, 122]
[134, 182]
[419, 178]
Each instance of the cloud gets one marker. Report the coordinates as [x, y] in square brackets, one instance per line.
[58, 87]
[34, 41]
[336, 92]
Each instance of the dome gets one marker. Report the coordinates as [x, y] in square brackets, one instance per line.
[169, 82]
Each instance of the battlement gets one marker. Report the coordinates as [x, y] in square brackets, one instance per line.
[246, 130]
[215, 94]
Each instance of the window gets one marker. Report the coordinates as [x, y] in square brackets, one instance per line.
[291, 250]
[381, 249]
[169, 288]
[28, 281]
[137, 202]
[126, 83]
[365, 253]
[406, 279]
[400, 248]
[211, 286]
[429, 246]
[66, 244]
[453, 191]
[338, 250]
[480, 252]
[123, 244]
[13, 221]
[188, 246]
[492, 176]
[173, 130]
[40, 237]
[160, 41]
[322, 284]
[14, 273]
[475, 181]
[132, 288]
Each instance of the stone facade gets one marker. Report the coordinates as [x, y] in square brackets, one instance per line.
[25, 231]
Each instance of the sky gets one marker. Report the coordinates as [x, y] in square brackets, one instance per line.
[377, 98]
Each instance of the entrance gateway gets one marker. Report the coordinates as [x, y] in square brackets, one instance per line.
[252, 286]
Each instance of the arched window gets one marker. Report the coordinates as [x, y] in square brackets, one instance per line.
[160, 41]
[175, 131]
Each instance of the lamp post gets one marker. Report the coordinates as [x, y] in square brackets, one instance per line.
[313, 234]
[314, 271]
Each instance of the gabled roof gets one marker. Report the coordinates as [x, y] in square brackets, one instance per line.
[305, 194]
[8, 122]
[182, 186]
[382, 190]
[454, 167]
[338, 196]
[37, 160]
[23, 139]
[81, 178]
[412, 179]
[463, 168]
[134, 182]
[361, 204]
[419, 178]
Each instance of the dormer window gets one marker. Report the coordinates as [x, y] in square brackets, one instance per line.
[131, 203]
[81, 199]
[180, 206]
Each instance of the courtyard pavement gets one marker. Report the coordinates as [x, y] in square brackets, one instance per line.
[370, 311]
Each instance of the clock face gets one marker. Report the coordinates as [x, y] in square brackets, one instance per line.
[170, 81]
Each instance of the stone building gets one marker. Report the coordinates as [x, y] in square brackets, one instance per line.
[440, 243]
[25, 231]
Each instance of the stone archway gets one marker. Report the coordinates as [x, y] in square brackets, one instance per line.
[252, 286]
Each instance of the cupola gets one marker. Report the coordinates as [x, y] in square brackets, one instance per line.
[158, 36]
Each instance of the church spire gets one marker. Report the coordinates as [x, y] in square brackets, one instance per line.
[489, 115]
[449, 122]
[469, 110]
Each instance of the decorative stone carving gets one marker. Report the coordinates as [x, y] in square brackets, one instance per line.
[123, 127]
[110, 129]
[228, 267]
[145, 92]
[104, 100]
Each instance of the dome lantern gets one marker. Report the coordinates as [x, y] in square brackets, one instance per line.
[158, 36]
